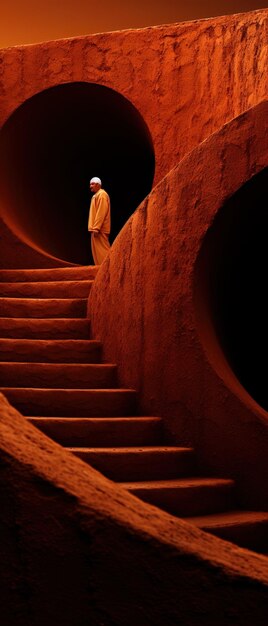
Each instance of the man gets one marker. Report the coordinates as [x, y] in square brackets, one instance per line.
[99, 221]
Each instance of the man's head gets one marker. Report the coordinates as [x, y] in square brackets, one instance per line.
[95, 184]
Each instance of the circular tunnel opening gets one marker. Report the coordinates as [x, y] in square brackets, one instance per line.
[52, 145]
[232, 280]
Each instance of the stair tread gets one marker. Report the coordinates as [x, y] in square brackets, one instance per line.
[31, 331]
[131, 450]
[72, 351]
[78, 271]
[49, 308]
[109, 421]
[45, 320]
[97, 432]
[45, 290]
[44, 283]
[44, 365]
[45, 342]
[229, 518]
[71, 402]
[42, 300]
[88, 418]
[76, 351]
[68, 391]
[177, 482]
[57, 375]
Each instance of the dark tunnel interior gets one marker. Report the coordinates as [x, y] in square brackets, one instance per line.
[233, 278]
[52, 145]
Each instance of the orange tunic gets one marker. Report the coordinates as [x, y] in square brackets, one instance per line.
[100, 212]
[100, 220]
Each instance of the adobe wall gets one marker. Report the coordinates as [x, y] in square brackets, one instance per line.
[186, 80]
[78, 549]
[162, 335]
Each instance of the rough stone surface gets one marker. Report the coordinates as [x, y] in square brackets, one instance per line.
[186, 80]
[77, 549]
[162, 335]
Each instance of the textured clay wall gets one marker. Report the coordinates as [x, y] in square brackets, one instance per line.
[15, 253]
[186, 80]
[77, 549]
[162, 335]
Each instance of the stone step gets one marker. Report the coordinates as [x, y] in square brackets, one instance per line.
[50, 351]
[35, 328]
[137, 463]
[55, 273]
[72, 402]
[53, 289]
[43, 307]
[101, 431]
[59, 375]
[185, 496]
[248, 529]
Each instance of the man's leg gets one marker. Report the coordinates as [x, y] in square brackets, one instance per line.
[100, 247]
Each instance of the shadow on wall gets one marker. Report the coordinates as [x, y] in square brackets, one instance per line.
[52, 145]
[232, 272]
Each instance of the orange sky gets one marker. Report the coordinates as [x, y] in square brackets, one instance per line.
[31, 21]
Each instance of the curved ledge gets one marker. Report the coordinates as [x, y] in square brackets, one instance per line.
[82, 538]
[163, 336]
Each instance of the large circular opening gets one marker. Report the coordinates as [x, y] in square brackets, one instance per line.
[232, 280]
[52, 145]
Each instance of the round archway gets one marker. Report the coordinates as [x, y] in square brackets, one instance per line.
[49, 149]
[232, 279]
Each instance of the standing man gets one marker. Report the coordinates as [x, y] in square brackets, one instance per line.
[99, 221]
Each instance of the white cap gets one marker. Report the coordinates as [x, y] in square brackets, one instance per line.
[95, 179]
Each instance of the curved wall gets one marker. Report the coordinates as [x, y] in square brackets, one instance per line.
[163, 335]
[50, 148]
[232, 271]
[185, 80]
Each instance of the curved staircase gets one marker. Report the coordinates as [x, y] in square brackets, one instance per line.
[52, 372]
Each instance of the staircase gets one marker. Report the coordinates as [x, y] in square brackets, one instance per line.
[53, 373]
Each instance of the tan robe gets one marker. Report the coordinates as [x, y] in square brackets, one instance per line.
[99, 219]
